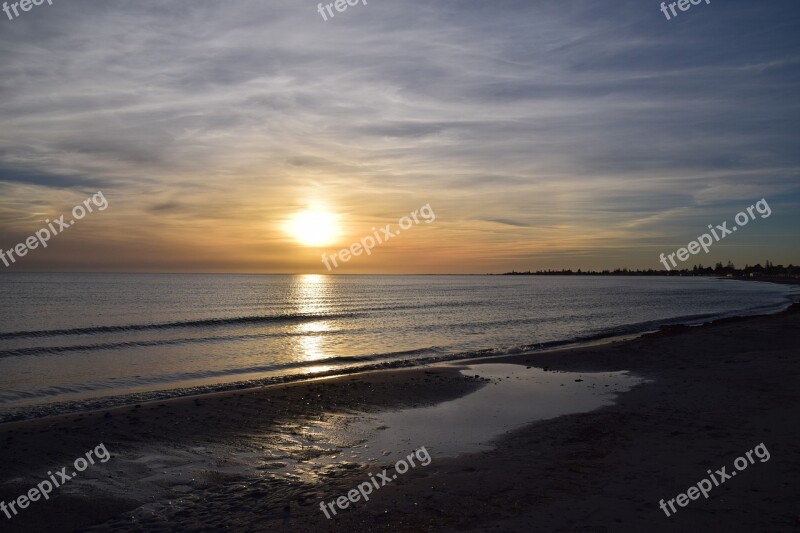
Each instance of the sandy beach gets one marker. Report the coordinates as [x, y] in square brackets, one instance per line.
[264, 459]
[417, 266]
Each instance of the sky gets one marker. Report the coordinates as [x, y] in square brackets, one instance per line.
[542, 134]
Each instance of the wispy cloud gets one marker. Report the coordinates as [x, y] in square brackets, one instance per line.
[214, 120]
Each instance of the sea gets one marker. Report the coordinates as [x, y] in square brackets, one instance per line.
[72, 342]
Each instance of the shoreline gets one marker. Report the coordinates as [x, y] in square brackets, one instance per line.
[47, 410]
[713, 392]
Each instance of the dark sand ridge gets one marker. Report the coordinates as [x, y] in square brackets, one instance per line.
[717, 392]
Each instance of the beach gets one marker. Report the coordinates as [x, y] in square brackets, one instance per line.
[706, 395]
[271, 266]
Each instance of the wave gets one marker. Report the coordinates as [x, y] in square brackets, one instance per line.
[209, 322]
[52, 350]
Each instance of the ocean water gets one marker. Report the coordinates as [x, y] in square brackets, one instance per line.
[85, 340]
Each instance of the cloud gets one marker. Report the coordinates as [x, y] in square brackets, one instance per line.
[602, 115]
[510, 223]
[46, 179]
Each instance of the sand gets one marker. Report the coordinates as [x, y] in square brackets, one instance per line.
[249, 460]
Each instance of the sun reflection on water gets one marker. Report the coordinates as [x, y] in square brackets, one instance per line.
[310, 295]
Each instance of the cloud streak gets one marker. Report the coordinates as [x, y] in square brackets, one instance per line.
[602, 118]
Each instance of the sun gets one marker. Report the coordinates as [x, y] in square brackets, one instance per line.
[313, 227]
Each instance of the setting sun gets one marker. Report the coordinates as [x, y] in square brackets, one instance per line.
[313, 227]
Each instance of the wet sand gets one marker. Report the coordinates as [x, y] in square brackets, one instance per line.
[249, 460]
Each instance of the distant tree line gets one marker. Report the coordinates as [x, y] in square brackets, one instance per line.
[729, 270]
